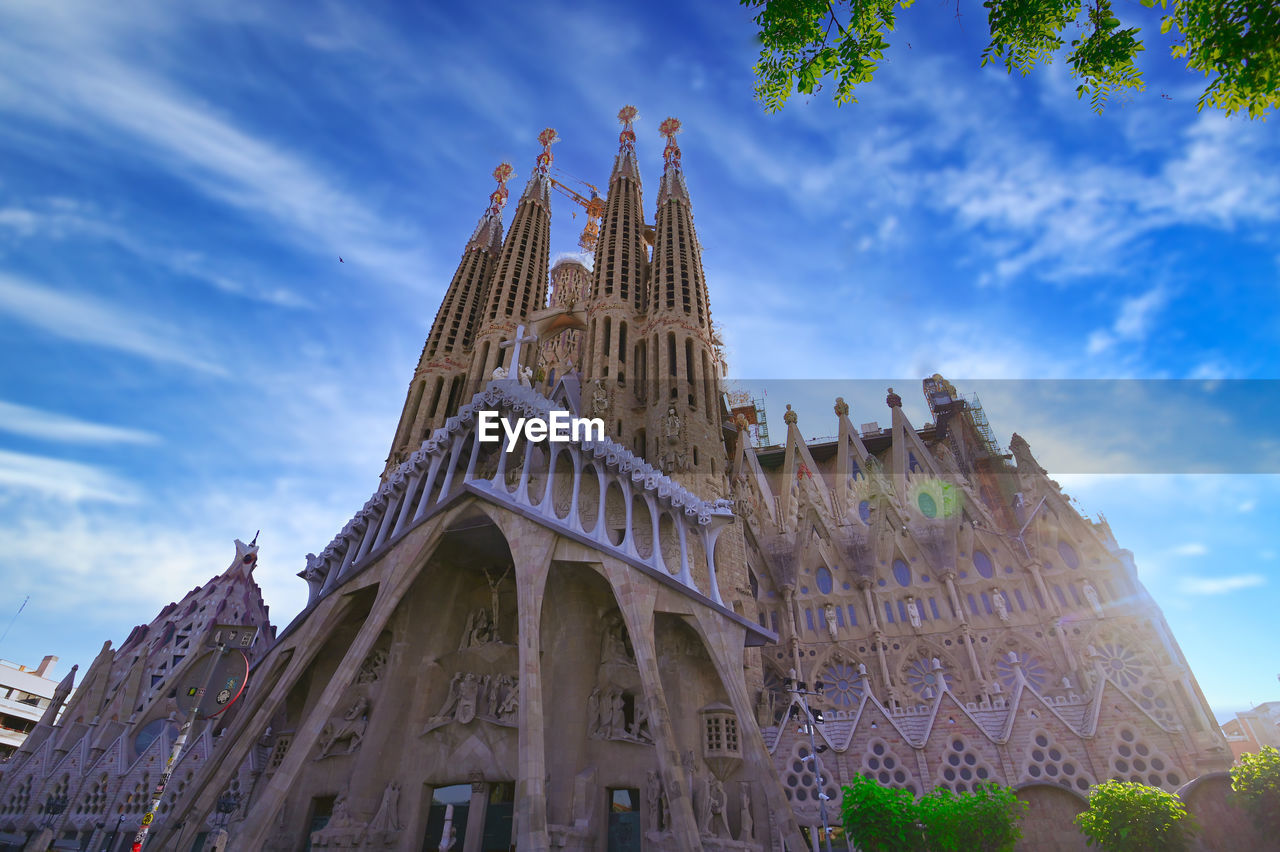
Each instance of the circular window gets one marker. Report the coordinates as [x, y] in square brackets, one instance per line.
[928, 507]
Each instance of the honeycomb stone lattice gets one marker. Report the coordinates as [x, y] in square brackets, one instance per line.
[1134, 759]
[1049, 762]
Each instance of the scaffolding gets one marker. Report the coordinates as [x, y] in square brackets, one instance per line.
[977, 417]
[752, 410]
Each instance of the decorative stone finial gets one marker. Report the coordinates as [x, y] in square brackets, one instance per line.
[842, 407]
[627, 138]
[790, 418]
[546, 137]
[893, 400]
[503, 173]
[670, 154]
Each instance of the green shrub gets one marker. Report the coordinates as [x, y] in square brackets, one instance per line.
[1256, 782]
[985, 820]
[881, 819]
[1126, 817]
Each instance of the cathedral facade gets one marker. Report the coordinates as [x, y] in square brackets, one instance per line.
[85, 776]
[671, 637]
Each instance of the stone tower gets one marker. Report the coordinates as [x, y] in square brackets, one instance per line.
[586, 644]
[105, 753]
[441, 377]
[529, 644]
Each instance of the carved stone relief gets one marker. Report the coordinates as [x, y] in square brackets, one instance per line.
[343, 734]
[607, 716]
[489, 698]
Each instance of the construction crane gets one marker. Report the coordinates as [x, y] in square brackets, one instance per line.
[594, 206]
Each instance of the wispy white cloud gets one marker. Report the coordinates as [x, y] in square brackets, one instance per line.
[1220, 585]
[85, 80]
[61, 219]
[51, 426]
[1191, 548]
[1133, 322]
[84, 319]
[63, 480]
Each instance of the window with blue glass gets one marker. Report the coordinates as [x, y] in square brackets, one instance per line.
[982, 562]
[823, 577]
[902, 572]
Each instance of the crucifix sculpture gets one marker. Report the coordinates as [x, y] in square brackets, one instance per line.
[513, 372]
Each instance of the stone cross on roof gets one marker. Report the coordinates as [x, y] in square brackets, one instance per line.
[514, 346]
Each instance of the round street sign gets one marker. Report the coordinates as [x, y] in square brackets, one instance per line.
[224, 686]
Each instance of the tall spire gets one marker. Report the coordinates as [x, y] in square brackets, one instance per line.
[488, 232]
[620, 254]
[678, 284]
[519, 283]
[455, 322]
[437, 382]
[672, 172]
[684, 369]
[625, 162]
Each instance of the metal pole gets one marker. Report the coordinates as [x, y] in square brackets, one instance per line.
[817, 773]
[111, 844]
[178, 744]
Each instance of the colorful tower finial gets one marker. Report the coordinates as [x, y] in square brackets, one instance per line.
[627, 138]
[670, 154]
[503, 173]
[546, 137]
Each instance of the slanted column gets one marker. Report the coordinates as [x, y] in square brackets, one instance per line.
[637, 610]
[531, 549]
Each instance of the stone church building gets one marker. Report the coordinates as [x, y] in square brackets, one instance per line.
[83, 780]
[587, 644]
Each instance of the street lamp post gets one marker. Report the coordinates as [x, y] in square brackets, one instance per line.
[800, 690]
[110, 846]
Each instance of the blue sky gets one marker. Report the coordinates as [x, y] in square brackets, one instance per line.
[183, 360]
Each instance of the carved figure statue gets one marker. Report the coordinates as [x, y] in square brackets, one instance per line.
[1091, 595]
[341, 817]
[478, 630]
[829, 611]
[617, 718]
[451, 701]
[526, 377]
[599, 398]
[704, 803]
[615, 647]
[640, 726]
[499, 373]
[511, 703]
[719, 805]
[747, 831]
[388, 816]
[350, 728]
[604, 719]
[468, 698]
[1002, 608]
[653, 799]
[373, 666]
[913, 612]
